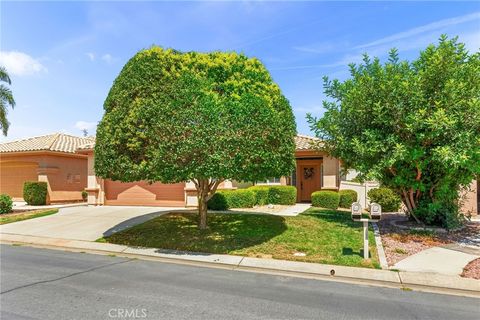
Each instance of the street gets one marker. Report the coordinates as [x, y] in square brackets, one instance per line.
[48, 284]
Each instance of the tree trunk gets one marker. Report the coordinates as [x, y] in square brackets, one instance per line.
[202, 191]
[407, 199]
[202, 211]
[205, 190]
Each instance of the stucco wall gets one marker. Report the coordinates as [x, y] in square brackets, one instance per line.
[330, 173]
[470, 200]
[66, 175]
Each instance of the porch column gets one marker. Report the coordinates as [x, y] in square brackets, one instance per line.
[330, 173]
[95, 185]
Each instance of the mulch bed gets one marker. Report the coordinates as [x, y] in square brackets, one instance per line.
[472, 270]
[399, 243]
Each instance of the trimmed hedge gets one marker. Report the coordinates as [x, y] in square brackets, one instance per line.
[6, 203]
[347, 197]
[285, 195]
[35, 192]
[326, 199]
[226, 199]
[261, 194]
[385, 197]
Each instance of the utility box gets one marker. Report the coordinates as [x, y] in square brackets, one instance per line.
[356, 211]
[375, 211]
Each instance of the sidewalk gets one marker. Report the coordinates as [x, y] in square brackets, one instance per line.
[434, 260]
[405, 280]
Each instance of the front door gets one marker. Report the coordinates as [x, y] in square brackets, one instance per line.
[309, 177]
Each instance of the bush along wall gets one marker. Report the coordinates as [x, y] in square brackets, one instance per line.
[6, 203]
[284, 195]
[385, 197]
[35, 192]
[227, 199]
[347, 197]
[326, 199]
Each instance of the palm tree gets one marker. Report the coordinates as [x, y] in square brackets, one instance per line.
[6, 98]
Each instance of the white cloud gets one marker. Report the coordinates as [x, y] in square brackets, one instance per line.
[20, 64]
[422, 29]
[84, 125]
[90, 56]
[107, 58]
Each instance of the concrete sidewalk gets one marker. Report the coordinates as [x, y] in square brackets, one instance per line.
[414, 280]
[438, 260]
[294, 210]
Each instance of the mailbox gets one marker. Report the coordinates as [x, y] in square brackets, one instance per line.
[375, 211]
[356, 211]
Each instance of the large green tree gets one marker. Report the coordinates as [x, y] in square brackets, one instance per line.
[415, 127]
[6, 99]
[201, 117]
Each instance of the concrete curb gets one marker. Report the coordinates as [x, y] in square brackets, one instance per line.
[381, 252]
[420, 281]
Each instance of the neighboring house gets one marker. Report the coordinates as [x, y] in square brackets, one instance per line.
[50, 158]
[315, 171]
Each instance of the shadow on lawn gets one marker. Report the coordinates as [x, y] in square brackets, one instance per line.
[350, 252]
[133, 222]
[178, 231]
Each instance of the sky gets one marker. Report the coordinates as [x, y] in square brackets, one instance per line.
[64, 56]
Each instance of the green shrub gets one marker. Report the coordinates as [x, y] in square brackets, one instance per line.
[35, 192]
[285, 195]
[261, 194]
[347, 197]
[6, 203]
[84, 195]
[385, 197]
[326, 199]
[223, 200]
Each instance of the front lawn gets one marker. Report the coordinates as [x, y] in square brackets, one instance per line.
[19, 216]
[324, 236]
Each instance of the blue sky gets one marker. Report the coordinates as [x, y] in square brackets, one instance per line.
[64, 56]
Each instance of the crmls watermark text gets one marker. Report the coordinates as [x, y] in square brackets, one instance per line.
[122, 313]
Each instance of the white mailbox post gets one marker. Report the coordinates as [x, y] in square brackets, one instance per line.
[375, 214]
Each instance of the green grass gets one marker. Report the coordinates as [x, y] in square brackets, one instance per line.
[9, 217]
[325, 236]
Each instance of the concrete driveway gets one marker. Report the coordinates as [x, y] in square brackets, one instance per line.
[85, 223]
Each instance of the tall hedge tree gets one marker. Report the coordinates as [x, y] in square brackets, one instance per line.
[202, 117]
[413, 126]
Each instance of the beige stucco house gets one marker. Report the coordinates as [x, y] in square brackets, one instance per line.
[66, 163]
[315, 171]
[50, 158]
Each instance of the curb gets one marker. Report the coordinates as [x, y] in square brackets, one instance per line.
[378, 242]
[405, 280]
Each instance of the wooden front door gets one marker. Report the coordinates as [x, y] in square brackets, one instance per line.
[309, 178]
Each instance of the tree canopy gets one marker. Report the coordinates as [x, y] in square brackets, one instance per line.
[201, 117]
[415, 127]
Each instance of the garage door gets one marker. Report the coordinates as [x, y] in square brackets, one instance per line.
[144, 194]
[13, 175]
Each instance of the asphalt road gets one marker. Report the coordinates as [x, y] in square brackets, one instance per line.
[48, 284]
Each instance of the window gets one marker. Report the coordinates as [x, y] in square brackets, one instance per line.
[269, 181]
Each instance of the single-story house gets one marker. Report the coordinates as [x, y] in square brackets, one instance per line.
[315, 171]
[66, 163]
[51, 158]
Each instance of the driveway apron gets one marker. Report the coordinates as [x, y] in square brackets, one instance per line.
[85, 223]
